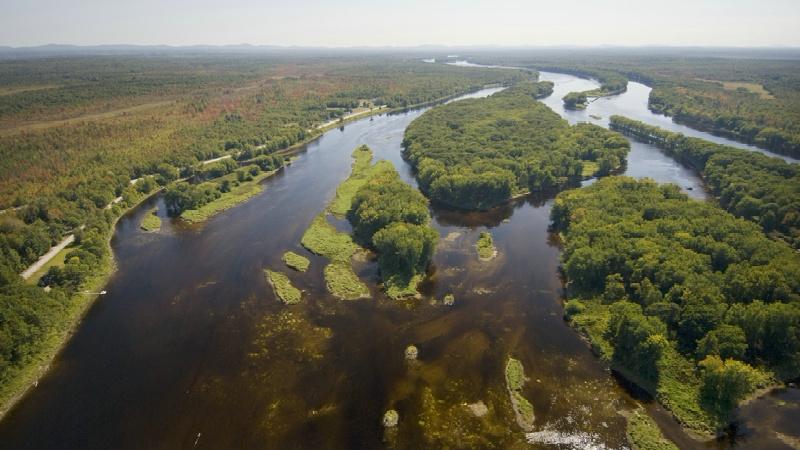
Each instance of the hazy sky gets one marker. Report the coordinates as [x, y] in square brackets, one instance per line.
[401, 23]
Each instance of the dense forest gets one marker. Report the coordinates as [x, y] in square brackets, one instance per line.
[478, 153]
[75, 132]
[694, 304]
[392, 217]
[748, 184]
[751, 99]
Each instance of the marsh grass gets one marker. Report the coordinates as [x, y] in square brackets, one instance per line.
[227, 200]
[362, 171]
[297, 262]
[343, 282]
[283, 288]
[644, 434]
[324, 239]
[515, 380]
[150, 222]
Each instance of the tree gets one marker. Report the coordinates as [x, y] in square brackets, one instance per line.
[727, 341]
[405, 248]
[638, 340]
[724, 384]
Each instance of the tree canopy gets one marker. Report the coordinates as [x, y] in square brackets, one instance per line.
[478, 153]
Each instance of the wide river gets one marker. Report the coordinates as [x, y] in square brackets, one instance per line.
[190, 348]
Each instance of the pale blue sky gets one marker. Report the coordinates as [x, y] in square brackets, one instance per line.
[401, 23]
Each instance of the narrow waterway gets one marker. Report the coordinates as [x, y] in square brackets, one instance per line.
[190, 348]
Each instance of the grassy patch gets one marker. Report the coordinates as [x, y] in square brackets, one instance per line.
[515, 380]
[57, 261]
[324, 239]
[228, 200]
[343, 283]
[515, 374]
[296, 262]
[150, 222]
[485, 246]
[362, 170]
[399, 286]
[644, 434]
[283, 287]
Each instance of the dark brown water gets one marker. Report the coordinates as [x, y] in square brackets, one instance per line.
[190, 349]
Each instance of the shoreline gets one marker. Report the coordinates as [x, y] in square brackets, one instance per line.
[28, 377]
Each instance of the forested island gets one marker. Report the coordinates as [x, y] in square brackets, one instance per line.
[696, 306]
[388, 216]
[475, 154]
[757, 187]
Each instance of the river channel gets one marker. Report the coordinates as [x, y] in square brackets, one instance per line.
[190, 348]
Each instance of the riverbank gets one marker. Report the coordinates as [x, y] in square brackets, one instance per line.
[227, 200]
[27, 376]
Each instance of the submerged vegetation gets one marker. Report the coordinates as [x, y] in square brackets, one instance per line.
[283, 287]
[747, 184]
[478, 153]
[661, 283]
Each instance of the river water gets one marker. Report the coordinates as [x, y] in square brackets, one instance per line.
[190, 348]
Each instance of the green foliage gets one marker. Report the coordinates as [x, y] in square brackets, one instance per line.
[362, 170]
[575, 100]
[726, 383]
[478, 153]
[283, 288]
[726, 341]
[393, 218]
[649, 253]
[323, 239]
[343, 283]
[638, 340]
[706, 104]
[759, 188]
[296, 262]
[515, 374]
[644, 434]
[753, 99]
[485, 246]
[405, 248]
[515, 381]
[150, 222]
[383, 200]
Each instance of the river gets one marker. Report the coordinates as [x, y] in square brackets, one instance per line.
[190, 349]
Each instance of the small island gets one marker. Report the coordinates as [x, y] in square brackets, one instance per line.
[485, 247]
[150, 221]
[515, 380]
[283, 287]
[297, 262]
